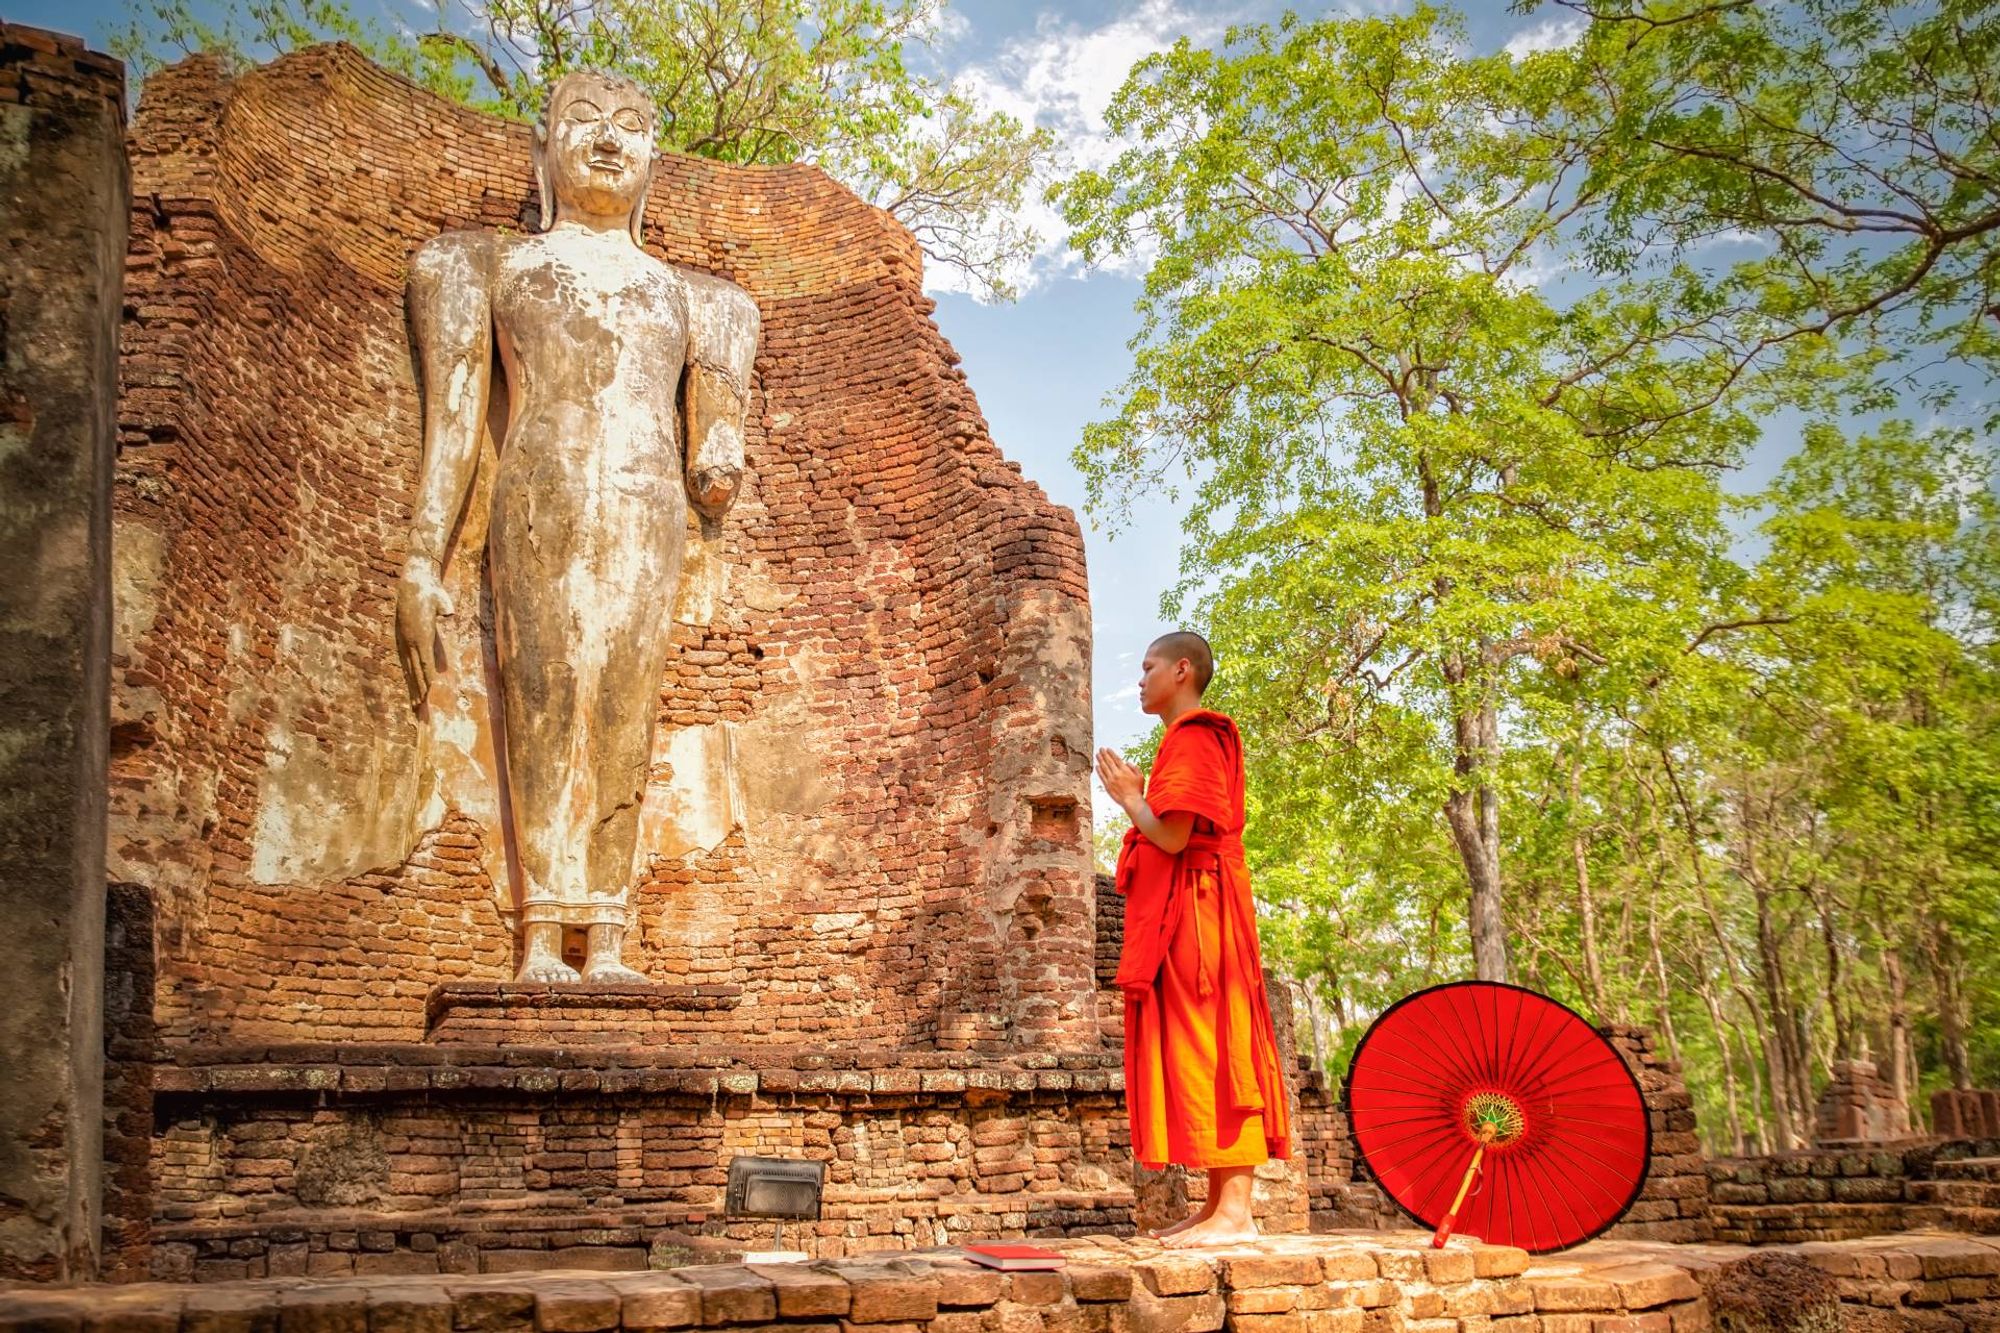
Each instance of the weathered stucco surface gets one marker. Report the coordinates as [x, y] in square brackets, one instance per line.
[62, 243]
[599, 350]
[864, 802]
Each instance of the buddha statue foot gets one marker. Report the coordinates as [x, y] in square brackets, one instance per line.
[546, 970]
[610, 973]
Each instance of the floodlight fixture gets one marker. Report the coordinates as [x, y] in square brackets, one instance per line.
[781, 1188]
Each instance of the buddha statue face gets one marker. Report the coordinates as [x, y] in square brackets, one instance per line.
[594, 150]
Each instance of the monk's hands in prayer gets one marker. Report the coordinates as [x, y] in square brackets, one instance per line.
[1122, 782]
[1127, 786]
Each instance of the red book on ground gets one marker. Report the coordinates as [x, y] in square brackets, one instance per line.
[1013, 1258]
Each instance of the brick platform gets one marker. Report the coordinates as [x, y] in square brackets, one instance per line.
[512, 1013]
[1841, 1193]
[490, 1146]
[1350, 1283]
[442, 1152]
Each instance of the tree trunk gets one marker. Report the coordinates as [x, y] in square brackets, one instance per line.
[1784, 1053]
[1473, 811]
[1803, 1095]
[1728, 1067]
[1663, 1015]
[1763, 1130]
[1586, 907]
[1844, 1045]
[1698, 870]
[1322, 1036]
[1899, 1043]
[1790, 1072]
[1947, 967]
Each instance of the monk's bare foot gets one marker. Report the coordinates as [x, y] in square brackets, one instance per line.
[1192, 1219]
[1211, 1231]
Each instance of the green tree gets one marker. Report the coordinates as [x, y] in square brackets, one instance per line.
[1420, 484]
[1891, 545]
[1794, 829]
[1454, 354]
[820, 81]
[1826, 166]
[1106, 840]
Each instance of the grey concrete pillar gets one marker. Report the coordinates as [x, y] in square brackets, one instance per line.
[64, 201]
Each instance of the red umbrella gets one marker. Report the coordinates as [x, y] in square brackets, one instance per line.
[1501, 1112]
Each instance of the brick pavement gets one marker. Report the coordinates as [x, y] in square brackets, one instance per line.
[1345, 1283]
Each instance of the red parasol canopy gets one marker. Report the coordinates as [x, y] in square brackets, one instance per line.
[1500, 1110]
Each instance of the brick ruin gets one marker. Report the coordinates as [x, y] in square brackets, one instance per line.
[877, 947]
[884, 949]
[62, 246]
[1966, 1113]
[876, 654]
[1825, 1194]
[1858, 1106]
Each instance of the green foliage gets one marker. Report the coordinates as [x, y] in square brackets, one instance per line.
[1458, 523]
[163, 30]
[1847, 146]
[1106, 839]
[822, 81]
[1424, 493]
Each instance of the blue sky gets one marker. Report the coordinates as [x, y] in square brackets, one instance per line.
[1043, 365]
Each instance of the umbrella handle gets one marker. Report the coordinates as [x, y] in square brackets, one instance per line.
[1443, 1233]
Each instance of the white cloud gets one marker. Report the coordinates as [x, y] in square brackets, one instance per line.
[952, 27]
[1541, 267]
[1548, 35]
[1063, 77]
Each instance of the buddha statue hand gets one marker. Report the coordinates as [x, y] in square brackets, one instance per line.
[421, 602]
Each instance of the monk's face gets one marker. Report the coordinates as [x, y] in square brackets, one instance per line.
[1162, 676]
[600, 146]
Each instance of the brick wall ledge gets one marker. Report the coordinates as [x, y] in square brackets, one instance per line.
[529, 996]
[707, 1055]
[1348, 1283]
[1833, 1194]
[563, 1230]
[550, 1213]
[543, 1070]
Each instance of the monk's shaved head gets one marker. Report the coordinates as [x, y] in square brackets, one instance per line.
[1187, 644]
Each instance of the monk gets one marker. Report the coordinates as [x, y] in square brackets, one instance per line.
[1202, 1079]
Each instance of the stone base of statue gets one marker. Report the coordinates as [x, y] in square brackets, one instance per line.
[494, 1013]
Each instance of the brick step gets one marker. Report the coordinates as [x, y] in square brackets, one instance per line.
[1968, 1168]
[363, 1242]
[1972, 1221]
[1955, 1193]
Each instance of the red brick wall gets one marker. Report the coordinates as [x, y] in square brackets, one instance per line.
[512, 1150]
[1674, 1203]
[916, 598]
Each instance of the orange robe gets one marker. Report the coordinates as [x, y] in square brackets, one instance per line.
[1202, 1081]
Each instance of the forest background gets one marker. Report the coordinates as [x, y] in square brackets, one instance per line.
[1451, 356]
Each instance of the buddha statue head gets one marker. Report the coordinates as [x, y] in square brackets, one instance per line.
[594, 150]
